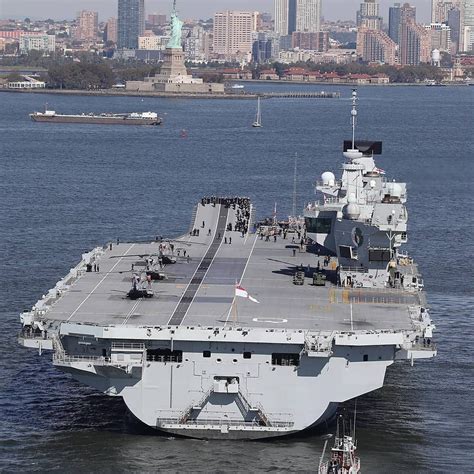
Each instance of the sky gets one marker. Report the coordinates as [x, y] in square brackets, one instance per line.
[65, 9]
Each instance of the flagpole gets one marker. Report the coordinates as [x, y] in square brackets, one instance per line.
[234, 315]
[235, 310]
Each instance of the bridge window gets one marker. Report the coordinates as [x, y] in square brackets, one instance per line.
[206, 353]
[285, 359]
[247, 355]
[345, 251]
[379, 255]
[318, 225]
[366, 357]
[164, 355]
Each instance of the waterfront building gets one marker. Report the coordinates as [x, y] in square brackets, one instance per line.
[27, 82]
[394, 22]
[311, 41]
[415, 44]
[369, 15]
[111, 30]
[308, 16]
[233, 33]
[131, 23]
[88, 25]
[376, 46]
[285, 17]
[39, 42]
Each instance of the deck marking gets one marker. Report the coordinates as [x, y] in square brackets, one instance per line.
[194, 284]
[134, 307]
[100, 282]
[241, 278]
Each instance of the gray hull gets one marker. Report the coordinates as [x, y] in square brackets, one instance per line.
[94, 120]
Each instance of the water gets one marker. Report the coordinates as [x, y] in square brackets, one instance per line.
[67, 188]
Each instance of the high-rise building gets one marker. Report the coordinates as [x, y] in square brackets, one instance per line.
[88, 25]
[233, 32]
[156, 19]
[263, 47]
[394, 22]
[308, 16]
[369, 15]
[131, 23]
[467, 22]
[111, 30]
[376, 46]
[440, 36]
[407, 13]
[285, 17]
[415, 44]
[311, 41]
[440, 9]
[454, 23]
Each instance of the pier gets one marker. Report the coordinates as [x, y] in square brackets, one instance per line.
[301, 95]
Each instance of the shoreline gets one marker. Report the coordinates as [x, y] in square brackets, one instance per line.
[339, 84]
[123, 93]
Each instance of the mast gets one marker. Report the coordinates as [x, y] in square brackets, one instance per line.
[294, 185]
[354, 115]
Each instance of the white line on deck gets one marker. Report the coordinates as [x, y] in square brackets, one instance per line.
[100, 282]
[242, 277]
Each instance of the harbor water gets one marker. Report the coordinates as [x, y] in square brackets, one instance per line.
[66, 188]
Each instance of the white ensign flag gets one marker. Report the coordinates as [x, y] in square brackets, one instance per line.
[243, 293]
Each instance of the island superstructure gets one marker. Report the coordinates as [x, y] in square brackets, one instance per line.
[246, 329]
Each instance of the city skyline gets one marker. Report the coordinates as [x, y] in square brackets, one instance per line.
[65, 9]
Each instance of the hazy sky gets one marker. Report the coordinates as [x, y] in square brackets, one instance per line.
[61, 9]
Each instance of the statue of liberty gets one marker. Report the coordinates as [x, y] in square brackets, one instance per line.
[176, 27]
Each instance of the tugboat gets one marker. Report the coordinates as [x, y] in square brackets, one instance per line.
[344, 459]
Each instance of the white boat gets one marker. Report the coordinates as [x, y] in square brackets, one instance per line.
[258, 116]
[237, 86]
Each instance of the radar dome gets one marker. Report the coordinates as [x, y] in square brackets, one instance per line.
[395, 190]
[352, 211]
[328, 178]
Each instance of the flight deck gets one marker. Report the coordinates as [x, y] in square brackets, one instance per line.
[224, 248]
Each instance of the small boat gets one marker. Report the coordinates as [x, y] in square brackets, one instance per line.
[344, 459]
[237, 86]
[258, 116]
[433, 83]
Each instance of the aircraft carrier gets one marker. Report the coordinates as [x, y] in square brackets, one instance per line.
[247, 329]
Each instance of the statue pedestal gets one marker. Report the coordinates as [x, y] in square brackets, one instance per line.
[173, 64]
